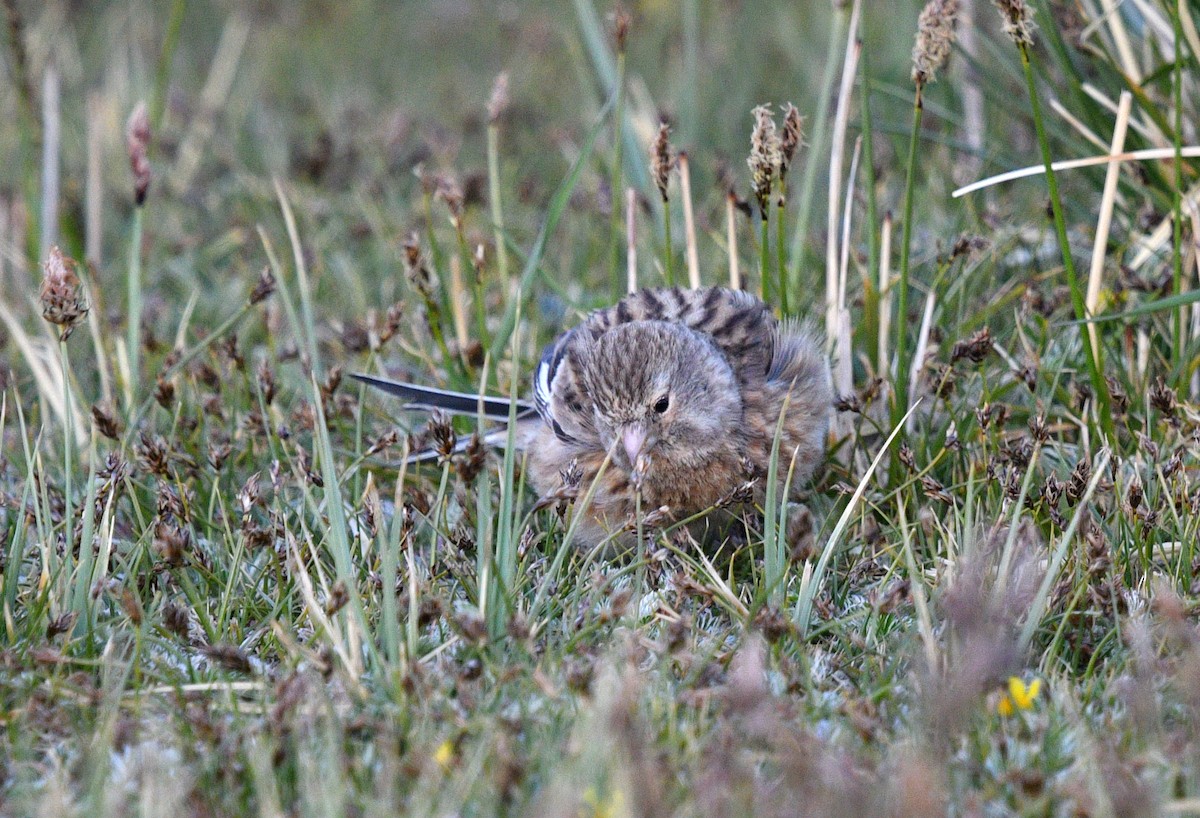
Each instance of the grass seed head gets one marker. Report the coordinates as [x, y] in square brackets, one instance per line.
[137, 143]
[107, 423]
[662, 159]
[450, 191]
[1162, 398]
[766, 155]
[793, 138]
[415, 270]
[264, 288]
[1018, 20]
[176, 619]
[62, 299]
[935, 37]
[621, 22]
[975, 348]
[499, 98]
[473, 459]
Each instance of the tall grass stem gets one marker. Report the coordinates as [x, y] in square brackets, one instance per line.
[1094, 362]
[900, 404]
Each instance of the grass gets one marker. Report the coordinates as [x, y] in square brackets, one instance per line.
[220, 594]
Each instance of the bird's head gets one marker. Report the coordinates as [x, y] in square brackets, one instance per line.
[659, 396]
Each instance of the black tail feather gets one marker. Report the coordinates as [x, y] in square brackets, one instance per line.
[458, 403]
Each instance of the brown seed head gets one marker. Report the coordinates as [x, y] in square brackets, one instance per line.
[793, 138]
[499, 99]
[473, 458]
[264, 288]
[935, 35]
[61, 296]
[974, 349]
[137, 142]
[450, 191]
[1162, 398]
[662, 159]
[1018, 20]
[418, 274]
[766, 155]
[106, 421]
[621, 21]
[176, 619]
[443, 435]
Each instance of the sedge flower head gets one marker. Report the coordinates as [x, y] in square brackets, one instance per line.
[766, 154]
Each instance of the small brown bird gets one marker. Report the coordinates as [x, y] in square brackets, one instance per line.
[681, 391]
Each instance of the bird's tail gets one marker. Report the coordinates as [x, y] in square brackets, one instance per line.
[458, 403]
[455, 403]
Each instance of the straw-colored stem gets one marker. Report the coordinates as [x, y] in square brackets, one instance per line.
[837, 153]
[689, 223]
[51, 145]
[1104, 220]
[1142, 154]
[631, 283]
[94, 186]
[735, 273]
[815, 166]
[458, 297]
[918, 357]
[843, 354]
[668, 250]
[1099, 387]
[616, 181]
[93, 233]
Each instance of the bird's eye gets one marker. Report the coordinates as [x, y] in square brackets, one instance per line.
[662, 404]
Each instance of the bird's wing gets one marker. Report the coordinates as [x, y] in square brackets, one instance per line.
[543, 383]
[741, 325]
[456, 403]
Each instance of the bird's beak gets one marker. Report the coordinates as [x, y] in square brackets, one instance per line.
[634, 440]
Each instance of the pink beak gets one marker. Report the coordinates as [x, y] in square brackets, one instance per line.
[634, 439]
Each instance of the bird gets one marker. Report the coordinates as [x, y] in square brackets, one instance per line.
[671, 400]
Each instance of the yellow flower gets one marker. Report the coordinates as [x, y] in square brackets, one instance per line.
[444, 754]
[598, 807]
[1020, 696]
